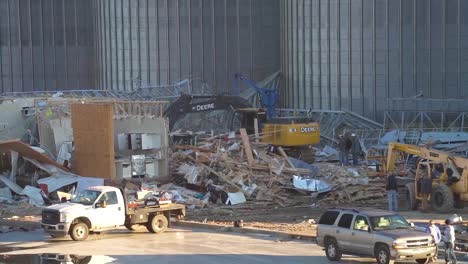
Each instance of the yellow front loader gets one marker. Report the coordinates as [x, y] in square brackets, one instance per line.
[449, 175]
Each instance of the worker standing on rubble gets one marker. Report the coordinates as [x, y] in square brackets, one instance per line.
[341, 149]
[450, 243]
[355, 149]
[392, 193]
[435, 232]
[344, 145]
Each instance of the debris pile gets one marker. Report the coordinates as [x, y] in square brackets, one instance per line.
[31, 180]
[350, 185]
[223, 167]
[221, 164]
[353, 185]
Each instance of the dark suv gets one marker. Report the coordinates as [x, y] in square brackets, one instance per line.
[385, 235]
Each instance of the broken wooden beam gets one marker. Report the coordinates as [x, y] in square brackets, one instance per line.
[248, 150]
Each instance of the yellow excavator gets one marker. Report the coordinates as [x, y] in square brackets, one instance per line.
[449, 175]
[295, 134]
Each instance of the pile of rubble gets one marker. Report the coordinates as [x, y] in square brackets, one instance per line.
[351, 185]
[220, 170]
[29, 180]
[229, 169]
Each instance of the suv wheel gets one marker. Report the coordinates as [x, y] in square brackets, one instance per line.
[423, 261]
[382, 255]
[332, 250]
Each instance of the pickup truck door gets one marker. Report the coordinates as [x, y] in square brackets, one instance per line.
[343, 232]
[360, 237]
[113, 214]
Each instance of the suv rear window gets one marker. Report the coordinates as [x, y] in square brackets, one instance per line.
[329, 218]
[345, 220]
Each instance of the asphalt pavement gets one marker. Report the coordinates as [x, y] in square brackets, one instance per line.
[180, 245]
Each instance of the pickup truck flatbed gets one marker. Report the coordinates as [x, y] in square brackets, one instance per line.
[101, 208]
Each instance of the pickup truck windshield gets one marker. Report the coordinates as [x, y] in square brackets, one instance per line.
[388, 222]
[86, 197]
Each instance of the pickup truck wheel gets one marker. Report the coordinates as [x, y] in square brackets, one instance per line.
[157, 224]
[332, 250]
[382, 255]
[79, 231]
[423, 261]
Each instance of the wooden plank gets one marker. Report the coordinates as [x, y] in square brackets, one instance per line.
[219, 174]
[281, 151]
[28, 152]
[93, 133]
[248, 150]
[256, 130]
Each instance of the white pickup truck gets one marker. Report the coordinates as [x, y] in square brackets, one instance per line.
[102, 208]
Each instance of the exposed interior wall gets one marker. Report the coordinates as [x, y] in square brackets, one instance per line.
[157, 163]
[93, 132]
[13, 123]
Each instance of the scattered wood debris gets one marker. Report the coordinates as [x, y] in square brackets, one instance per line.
[244, 165]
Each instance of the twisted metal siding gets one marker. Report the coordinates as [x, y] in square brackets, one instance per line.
[354, 54]
[46, 45]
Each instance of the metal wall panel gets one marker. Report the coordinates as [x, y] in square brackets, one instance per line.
[354, 54]
[46, 45]
[162, 41]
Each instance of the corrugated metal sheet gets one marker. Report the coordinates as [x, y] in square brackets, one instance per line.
[354, 54]
[162, 41]
[46, 45]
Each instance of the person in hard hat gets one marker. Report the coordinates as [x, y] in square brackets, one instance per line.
[435, 232]
[450, 243]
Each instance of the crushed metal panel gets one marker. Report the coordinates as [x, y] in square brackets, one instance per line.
[13, 186]
[34, 194]
[93, 132]
[58, 181]
[86, 182]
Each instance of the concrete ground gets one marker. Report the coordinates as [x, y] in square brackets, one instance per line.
[175, 246]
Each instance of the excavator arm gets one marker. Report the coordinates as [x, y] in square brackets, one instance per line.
[188, 104]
